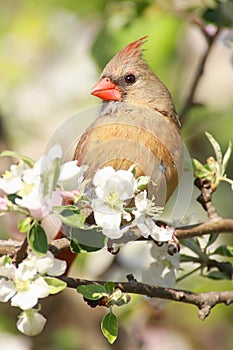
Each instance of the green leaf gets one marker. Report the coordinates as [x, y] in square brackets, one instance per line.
[194, 245]
[12, 197]
[188, 258]
[24, 224]
[109, 327]
[92, 291]
[72, 217]
[202, 171]
[133, 170]
[224, 250]
[216, 147]
[28, 161]
[142, 182]
[75, 247]
[227, 156]
[55, 285]
[218, 275]
[110, 287]
[6, 260]
[50, 177]
[118, 298]
[89, 240]
[212, 239]
[38, 240]
[61, 208]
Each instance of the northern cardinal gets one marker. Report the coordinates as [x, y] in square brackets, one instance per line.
[137, 125]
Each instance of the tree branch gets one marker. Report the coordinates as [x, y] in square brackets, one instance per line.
[204, 301]
[205, 198]
[212, 226]
[10, 247]
[189, 102]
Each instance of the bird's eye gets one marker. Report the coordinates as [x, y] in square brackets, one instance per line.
[130, 78]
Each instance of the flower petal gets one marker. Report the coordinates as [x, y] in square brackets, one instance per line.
[58, 268]
[31, 322]
[24, 300]
[107, 218]
[161, 234]
[7, 290]
[102, 176]
[71, 175]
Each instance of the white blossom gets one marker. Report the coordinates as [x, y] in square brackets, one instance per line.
[7, 290]
[163, 269]
[55, 152]
[22, 285]
[38, 205]
[34, 202]
[71, 176]
[102, 176]
[48, 264]
[32, 175]
[42, 186]
[25, 284]
[11, 181]
[112, 189]
[144, 205]
[107, 218]
[32, 194]
[7, 269]
[28, 292]
[31, 322]
[145, 214]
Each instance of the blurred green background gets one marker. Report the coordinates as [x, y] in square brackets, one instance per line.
[51, 54]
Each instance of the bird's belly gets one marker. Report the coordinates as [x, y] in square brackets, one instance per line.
[152, 144]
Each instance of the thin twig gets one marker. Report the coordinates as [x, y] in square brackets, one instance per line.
[21, 252]
[189, 102]
[188, 274]
[11, 247]
[205, 198]
[204, 301]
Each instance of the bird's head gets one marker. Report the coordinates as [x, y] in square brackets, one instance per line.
[128, 78]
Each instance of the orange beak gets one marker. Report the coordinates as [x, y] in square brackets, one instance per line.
[106, 90]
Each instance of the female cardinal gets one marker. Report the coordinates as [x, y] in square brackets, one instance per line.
[137, 125]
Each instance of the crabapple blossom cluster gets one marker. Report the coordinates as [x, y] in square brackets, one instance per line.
[23, 285]
[37, 190]
[114, 190]
[38, 186]
[118, 200]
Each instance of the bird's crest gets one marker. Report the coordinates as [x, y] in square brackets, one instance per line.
[133, 49]
[129, 53]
